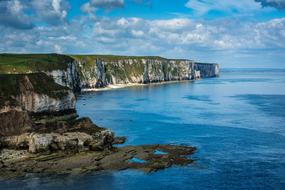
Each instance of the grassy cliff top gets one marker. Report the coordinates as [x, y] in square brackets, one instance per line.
[32, 63]
[114, 57]
[89, 59]
[12, 85]
[25, 63]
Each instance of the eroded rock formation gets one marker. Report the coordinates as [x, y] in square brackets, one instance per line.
[27, 98]
[39, 128]
[98, 72]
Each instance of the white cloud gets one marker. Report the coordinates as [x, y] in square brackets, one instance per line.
[179, 37]
[57, 48]
[12, 14]
[234, 7]
[26, 13]
[51, 11]
[93, 5]
[137, 33]
[131, 33]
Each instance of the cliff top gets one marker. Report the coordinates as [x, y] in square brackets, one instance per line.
[31, 63]
[13, 85]
[26, 63]
[114, 57]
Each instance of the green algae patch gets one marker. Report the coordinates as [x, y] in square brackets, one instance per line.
[28, 63]
[12, 85]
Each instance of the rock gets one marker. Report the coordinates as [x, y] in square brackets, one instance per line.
[1, 143]
[69, 141]
[17, 163]
[16, 142]
[29, 100]
[85, 125]
[14, 122]
[207, 70]
[99, 84]
[55, 142]
[103, 140]
[119, 140]
[96, 146]
[107, 138]
[40, 142]
[54, 147]
[12, 155]
[123, 70]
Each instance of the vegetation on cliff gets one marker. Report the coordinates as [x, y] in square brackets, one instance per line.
[96, 71]
[113, 57]
[27, 63]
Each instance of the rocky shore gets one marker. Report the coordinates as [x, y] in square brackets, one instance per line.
[82, 148]
[40, 132]
[17, 163]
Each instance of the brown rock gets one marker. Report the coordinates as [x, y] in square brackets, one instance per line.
[14, 122]
[119, 140]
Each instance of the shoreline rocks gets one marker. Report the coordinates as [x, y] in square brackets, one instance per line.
[83, 162]
[40, 133]
[83, 148]
[83, 135]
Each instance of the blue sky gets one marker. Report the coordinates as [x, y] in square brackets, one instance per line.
[244, 33]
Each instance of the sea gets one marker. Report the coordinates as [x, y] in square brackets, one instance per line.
[236, 121]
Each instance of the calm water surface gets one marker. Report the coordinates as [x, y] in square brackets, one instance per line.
[237, 122]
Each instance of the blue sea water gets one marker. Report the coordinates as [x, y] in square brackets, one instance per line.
[236, 121]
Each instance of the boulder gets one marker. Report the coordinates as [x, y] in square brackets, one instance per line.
[102, 140]
[119, 140]
[40, 142]
[69, 141]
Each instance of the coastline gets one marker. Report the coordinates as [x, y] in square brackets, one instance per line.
[39, 134]
[120, 86]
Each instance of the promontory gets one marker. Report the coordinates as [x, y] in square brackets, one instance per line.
[40, 131]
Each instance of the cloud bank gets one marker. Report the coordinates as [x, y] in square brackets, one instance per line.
[26, 14]
[42, 26]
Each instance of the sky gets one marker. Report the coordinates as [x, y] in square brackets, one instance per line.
[234, 33]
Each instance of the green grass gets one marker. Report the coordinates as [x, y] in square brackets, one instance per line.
[12, 85]
[113, 57]
[26, 63]
[32, 63]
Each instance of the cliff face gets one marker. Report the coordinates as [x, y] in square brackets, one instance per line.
[25, 95]
[34, 93]
[97, 72]
[207, 69]
[68, 77]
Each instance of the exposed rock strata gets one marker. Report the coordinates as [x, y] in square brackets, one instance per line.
[40, 132]
[207, 70]
[69, 77]
[98, 72]
[25, 99]
[18, 163]
[34, 93]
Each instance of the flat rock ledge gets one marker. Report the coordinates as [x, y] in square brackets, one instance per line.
[81, 147]
[148, 158]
